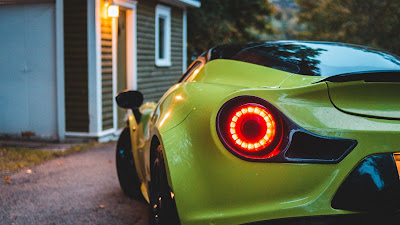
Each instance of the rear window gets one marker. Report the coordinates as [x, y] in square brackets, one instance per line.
[310, 58]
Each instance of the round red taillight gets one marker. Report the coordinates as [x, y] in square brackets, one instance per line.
[250, 127]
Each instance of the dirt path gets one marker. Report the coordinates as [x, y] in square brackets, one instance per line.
[79, 189]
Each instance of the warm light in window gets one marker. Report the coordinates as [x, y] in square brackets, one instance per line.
[113, 11]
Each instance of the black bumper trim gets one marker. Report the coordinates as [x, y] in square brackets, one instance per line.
[342, 219]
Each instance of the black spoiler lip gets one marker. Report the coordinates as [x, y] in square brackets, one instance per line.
[367, 76]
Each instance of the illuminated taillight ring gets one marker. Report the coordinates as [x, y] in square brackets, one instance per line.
[250, 127]
[266, 125]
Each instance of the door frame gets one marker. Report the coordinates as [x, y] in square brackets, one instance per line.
[131, 51]
[59, 10]
[95, 11]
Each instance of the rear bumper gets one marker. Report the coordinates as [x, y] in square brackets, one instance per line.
[364, 219]
[373, 185]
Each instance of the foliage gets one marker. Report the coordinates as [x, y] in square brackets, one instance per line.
[225, 21]
[368, 22]
[285, 20]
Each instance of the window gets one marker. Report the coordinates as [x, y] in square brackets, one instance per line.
[310, 58]
[163, 36]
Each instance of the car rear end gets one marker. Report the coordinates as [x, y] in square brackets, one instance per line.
[325, 148]
[212, 184]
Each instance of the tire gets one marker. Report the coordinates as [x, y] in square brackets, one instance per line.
[126, 170]
[162, 202]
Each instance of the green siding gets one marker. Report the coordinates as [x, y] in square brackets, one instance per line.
[76, 66]
[154, 81]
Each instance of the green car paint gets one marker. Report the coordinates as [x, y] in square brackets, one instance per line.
[212, 186]
[367, 99]
[228, 72]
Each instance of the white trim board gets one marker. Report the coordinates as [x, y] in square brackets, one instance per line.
[114, 69]
[183, 3]
[193, 3]
[131, 51]
[60, 82]
[163, 12]
[104, 136]
[184, 41]
[131, 37]
[90, 135]
[126, 4]
[94, 65]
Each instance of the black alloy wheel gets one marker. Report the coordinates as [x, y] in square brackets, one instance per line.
[127, 175]
[162, 202]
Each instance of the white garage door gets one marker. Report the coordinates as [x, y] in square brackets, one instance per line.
[27, 70]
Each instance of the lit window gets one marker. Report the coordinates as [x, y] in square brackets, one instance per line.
[163, 36]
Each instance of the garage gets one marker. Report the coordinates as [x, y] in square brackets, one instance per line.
[28, 93]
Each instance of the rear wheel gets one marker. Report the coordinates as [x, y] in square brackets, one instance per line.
[162, 202]
[127, 175]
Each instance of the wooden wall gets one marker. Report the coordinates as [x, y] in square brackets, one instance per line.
[76, 66]
[106, 73]
[154, 81]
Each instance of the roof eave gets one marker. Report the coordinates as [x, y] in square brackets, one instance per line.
[184, 3]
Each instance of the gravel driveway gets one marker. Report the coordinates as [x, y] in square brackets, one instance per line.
[79, 189]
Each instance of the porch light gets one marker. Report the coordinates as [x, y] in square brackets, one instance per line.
[113, 11]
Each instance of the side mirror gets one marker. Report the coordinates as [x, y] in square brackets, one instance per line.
[129, 99]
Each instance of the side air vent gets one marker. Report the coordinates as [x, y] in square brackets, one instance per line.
[307, 146]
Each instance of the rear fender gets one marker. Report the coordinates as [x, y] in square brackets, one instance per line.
[134, 129]
[139, 137]
[174, 107]
[183, 98]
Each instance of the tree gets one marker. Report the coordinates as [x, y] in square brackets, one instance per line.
[368, 22]
[226, 21]
[285, 20]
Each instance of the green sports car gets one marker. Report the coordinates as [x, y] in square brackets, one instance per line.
[286, 132]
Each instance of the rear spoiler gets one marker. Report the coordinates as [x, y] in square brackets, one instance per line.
[367, 76]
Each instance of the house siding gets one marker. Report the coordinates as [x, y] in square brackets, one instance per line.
[76, 66]
[106, 73]
[154, 81]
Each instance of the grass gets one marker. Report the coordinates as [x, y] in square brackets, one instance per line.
[12, 159]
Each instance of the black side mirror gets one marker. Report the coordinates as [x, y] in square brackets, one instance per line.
[131, 100]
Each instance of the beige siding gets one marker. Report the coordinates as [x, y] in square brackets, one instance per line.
[106, 73]
[154, 81]
[76, 67]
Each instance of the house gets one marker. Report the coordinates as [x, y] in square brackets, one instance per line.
[63, 61]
